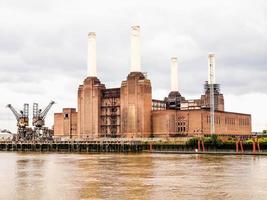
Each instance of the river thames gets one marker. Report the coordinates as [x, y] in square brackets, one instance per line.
[131, 176]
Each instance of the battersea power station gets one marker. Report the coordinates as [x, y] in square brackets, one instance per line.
[129, 111]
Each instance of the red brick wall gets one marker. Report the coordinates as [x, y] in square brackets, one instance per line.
[136, 106]
[89, 108]
[167, 123]
[58, 125]
[65, 123]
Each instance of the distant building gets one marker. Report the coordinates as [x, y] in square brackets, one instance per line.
[6, 135]
[129, 111]
[65, 123]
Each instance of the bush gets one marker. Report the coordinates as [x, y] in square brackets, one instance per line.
[263, 140]
[248, 141]
[192, 141]
[213, 140]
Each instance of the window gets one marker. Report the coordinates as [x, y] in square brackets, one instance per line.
[181, 126]
[66, 115]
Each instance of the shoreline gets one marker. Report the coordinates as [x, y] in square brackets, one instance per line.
[120, 147]
[211, 153]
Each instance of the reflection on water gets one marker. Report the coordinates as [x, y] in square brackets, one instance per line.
[131, 176]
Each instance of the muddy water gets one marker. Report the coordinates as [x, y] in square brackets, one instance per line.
[133, 176]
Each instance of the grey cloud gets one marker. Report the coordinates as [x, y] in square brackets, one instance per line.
[60, 46]
[45, 44]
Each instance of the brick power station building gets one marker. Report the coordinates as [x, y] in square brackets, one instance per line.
[130, 112]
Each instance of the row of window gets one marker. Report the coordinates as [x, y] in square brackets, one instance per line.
[217, 120]
[243, 122]
[158, 106]
[228, 120]
[181, 123]
[181, 129]
[109, 121]
[181, 126]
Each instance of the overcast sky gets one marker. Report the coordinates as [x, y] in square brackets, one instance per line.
[43, 49]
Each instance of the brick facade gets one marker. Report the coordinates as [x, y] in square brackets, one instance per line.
[89, 108]
[129, 111]
[136, 106]
[173, 123]
[65, 123]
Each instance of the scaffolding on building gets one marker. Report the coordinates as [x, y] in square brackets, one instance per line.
[110, 113]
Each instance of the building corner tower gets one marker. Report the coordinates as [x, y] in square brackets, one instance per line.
[89, 96]
[136, 95]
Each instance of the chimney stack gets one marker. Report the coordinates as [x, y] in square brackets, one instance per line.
[91, 62]
[135, 49]
[211, 68]
[174, 74]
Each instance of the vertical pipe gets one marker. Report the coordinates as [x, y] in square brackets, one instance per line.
[198, 144]
[258, 145]
[203, 145]
[135, 49]
[253, 145]
[211, 69]
[174, 74]
[211, 80]
[241, 146]
[236, 145]
[91, 62]
[150, 147]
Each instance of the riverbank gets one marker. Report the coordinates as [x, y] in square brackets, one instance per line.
[210, 152]
[128, 147]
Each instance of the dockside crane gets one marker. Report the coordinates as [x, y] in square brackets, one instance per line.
[38, 120]
[22, 118]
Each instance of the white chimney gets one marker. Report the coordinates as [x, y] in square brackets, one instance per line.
[174, 74]
[135, 49]
[91, 62]
[211, 68]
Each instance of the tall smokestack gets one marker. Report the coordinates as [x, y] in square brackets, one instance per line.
[211, 68]
[135, 49]
[91, 62]
[174, 74]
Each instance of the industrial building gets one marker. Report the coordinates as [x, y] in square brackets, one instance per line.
[130, 112]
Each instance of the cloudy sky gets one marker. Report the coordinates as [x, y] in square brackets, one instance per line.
[43, 48]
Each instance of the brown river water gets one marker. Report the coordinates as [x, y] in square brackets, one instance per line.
[48, 176]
